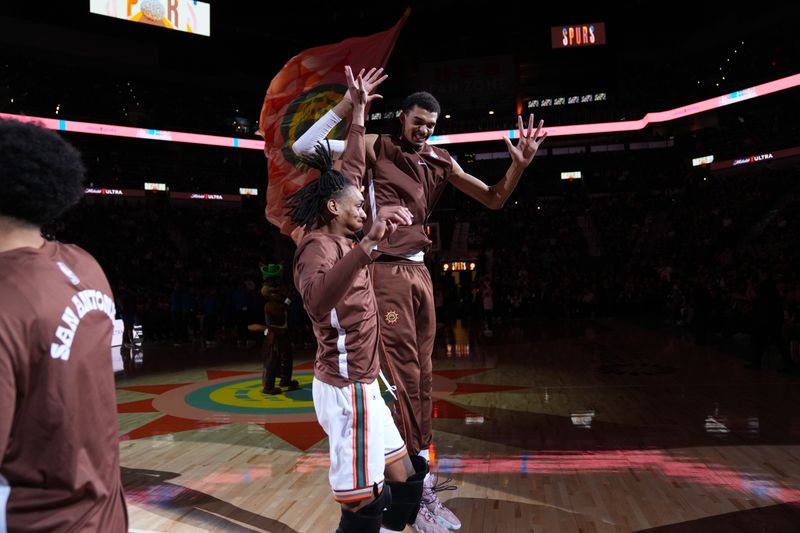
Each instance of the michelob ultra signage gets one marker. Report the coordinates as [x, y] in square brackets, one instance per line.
[182, 15]
[753, 159]
[757, 158]
[103, 191]
[205, 196]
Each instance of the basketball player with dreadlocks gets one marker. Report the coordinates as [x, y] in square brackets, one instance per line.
[331, 272]
[406, 170]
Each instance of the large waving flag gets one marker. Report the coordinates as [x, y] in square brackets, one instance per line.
[304, 90]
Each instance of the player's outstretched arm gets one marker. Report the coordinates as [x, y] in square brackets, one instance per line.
[522, 154]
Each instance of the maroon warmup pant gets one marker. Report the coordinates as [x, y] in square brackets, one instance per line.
[407, 317]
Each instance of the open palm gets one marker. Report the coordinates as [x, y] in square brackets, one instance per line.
[528, 144]
[363, 85]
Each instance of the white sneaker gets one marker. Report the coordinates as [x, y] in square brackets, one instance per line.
[426, 522]
[430, 500]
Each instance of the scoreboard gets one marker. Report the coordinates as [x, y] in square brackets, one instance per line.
[183, 15]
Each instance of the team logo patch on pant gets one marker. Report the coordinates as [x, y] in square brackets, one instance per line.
[392, 317]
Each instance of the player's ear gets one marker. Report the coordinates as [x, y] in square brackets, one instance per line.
[333, 206]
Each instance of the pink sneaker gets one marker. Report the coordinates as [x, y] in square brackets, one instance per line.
[427, 523]
[430, 500]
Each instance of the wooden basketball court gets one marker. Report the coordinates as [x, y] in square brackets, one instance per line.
[599, 426]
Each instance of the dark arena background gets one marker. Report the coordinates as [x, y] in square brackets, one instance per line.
[593, 366]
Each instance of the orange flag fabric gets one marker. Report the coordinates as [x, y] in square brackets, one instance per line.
[304, 90]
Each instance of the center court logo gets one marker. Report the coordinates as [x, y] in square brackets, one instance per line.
[233, 398]
[244, 396]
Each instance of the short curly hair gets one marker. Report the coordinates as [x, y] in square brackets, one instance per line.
[41, 175]
[422, 99]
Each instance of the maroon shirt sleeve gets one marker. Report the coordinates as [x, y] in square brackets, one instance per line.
[354, 163]
[322, 280]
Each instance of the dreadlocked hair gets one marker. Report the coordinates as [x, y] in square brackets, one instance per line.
[307, 206]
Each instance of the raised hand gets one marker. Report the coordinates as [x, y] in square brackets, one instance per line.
[529, 141]
[355, 87]
[367, 83]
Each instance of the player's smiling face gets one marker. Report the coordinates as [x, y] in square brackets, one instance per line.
[350, 210]
[418, 125]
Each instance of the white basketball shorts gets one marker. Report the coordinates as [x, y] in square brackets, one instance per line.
[362, 436]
